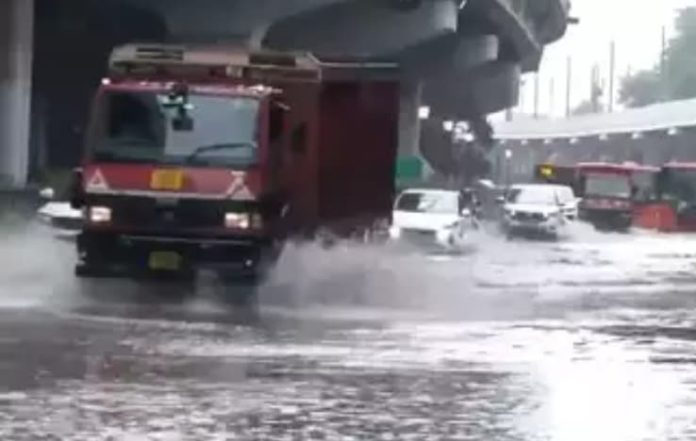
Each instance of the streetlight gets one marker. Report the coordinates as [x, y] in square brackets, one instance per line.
[508, 170]
[423, 112]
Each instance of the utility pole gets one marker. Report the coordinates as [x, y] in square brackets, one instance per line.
[536, 95]
[569, 78]
[552, 96]
[612, 74]
[521, 101]
[663, 64]
[663, 52]
[595, 89]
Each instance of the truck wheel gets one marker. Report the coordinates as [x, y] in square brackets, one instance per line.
[89, 270]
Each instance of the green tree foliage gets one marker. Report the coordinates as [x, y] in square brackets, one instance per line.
[587, 107]
[675, 78]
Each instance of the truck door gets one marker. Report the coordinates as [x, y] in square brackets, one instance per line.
[277, 140]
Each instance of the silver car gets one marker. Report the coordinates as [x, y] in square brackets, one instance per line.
[539, 208]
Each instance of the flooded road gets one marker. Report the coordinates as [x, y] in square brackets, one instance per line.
[593, 338]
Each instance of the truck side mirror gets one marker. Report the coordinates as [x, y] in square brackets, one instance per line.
[182, 123]
[47, 194]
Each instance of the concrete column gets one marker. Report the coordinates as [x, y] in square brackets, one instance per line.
[409, 122]
[16, 54]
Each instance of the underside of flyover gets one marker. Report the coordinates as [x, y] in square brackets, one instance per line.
[461, 58]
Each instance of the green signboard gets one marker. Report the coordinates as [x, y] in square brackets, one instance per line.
[409, 170]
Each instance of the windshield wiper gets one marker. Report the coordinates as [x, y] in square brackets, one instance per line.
[217, 147]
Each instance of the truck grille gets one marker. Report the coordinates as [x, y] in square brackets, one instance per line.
[149, 214]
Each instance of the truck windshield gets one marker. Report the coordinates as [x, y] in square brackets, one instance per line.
[608, 185]
[139, 127]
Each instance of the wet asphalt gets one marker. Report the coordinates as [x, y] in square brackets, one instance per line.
[589, 338]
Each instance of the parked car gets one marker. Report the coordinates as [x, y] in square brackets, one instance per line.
[432, 218]
[539, 208]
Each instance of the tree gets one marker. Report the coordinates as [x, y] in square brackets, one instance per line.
[674, 77]
[587, 107]
[641, 89]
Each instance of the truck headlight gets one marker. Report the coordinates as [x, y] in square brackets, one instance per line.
[241, 221]
[99, 215]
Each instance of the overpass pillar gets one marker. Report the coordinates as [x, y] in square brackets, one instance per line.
[16, 53]
[410, 129]
[409, 121]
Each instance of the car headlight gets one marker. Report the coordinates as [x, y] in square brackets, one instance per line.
[240, 221]
[451, 226]
[99, 215]
[444, 235]
[556, 215]
[394, 232]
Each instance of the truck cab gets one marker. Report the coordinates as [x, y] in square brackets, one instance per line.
[210, 158]
[611, 192]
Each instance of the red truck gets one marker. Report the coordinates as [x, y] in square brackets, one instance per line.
[613, 196]
[611, 193]
[214, 157]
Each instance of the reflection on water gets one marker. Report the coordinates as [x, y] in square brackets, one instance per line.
[580, 340]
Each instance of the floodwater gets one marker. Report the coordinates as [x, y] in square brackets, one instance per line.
[592, 338]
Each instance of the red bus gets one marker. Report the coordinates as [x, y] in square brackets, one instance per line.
[673, 207]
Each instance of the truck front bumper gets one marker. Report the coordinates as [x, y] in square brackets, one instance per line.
[608, 219]
[107, 254]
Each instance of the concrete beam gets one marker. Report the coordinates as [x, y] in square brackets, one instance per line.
[552, 19]
[364, 28]
[226, 20]
[512, 27]
[451, 52]
[16, 50]
[485, 89]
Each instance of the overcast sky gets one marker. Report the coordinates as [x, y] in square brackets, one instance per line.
[635, 26]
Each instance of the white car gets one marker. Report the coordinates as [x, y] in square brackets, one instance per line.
[63, 220]
[428, 218]
[539, 208]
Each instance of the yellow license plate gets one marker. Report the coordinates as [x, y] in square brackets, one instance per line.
[164, 261]
[171, 180]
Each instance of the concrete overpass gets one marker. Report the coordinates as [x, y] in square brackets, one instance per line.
[463, 58]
